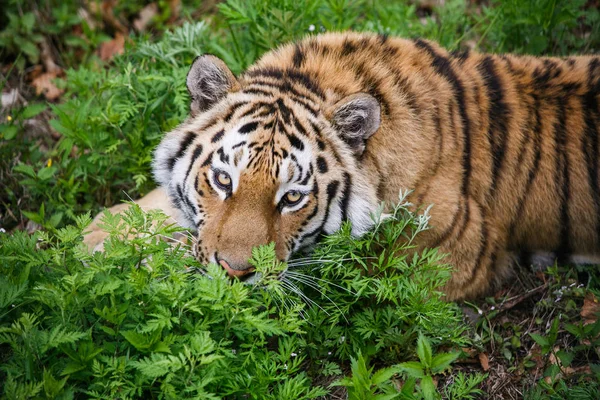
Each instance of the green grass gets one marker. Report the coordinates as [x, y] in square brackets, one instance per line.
[139, 321]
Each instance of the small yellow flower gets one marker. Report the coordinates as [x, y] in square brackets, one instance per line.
[49, 163]
[8, 118]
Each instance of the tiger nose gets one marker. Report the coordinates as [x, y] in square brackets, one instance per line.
[236, 271]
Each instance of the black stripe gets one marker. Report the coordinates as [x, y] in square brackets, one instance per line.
[217, 136]
[332, 188]
[444, 236]
[322, 165]
[249, 127]
[208, 159]
[299, 127]
[482, 251]
[232, 109]
[185, 143]
[306, 81]
[284, 87]
[235, 146]
[293, 76]
[348, 47]
[257, 91]
[298, 57]
[222, 156]
[443, 67]
[461, 55]
[346, 196]
[294, 141]
[195, 155]
[307, 177]
[182, 198]
[284, 111]
[313, 111]
[315, 193]
[268, 108]
[543, 75]
[383, 37]
[497, 115]
[197, 186]
[371, 85]
[208, 185]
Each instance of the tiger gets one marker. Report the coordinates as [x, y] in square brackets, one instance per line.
[323, 130]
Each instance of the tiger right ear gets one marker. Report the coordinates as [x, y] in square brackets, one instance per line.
[356, 118]
[208, 81]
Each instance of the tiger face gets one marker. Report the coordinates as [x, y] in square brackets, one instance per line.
[266, 158]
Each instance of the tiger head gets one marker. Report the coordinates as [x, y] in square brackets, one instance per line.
[268, 157]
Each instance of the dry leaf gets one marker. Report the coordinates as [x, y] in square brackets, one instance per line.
[145, 17]
[113, 47]
[484, 361]
[590, 309]
[43, 85]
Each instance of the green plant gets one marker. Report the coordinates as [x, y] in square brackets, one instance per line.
[144, 319]
[539, 26]
[366, 384]
[19, 36]
[427, 366]
[465, 386]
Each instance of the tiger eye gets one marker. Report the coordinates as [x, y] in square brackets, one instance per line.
[293, 197]
[223, 179]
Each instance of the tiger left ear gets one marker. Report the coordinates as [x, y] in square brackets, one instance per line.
[208, 81]
[356, 118]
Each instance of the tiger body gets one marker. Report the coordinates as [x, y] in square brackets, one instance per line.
[505, 148]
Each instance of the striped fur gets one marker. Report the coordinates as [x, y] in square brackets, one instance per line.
[505, 147]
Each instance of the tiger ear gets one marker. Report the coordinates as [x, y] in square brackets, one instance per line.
[356, 118]
[208, 81]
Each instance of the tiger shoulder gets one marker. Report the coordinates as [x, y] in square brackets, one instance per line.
[323, 130]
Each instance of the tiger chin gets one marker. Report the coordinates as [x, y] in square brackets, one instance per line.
[322, 131]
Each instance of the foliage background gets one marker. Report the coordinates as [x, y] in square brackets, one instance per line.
[88, 90]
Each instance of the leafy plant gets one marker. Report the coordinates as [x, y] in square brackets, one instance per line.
[143, 319]
[427, 366]
[366, 384]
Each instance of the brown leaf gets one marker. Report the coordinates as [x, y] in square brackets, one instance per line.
[43, 85]
[34, 72]
[145, 17]
[113, 47]
[484, 361]
[590, 309]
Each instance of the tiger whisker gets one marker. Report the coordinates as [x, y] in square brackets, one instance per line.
[327, 297]
[288, 308]
[292, 264]
[319, 279]
[291, 286]
[183, 244]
